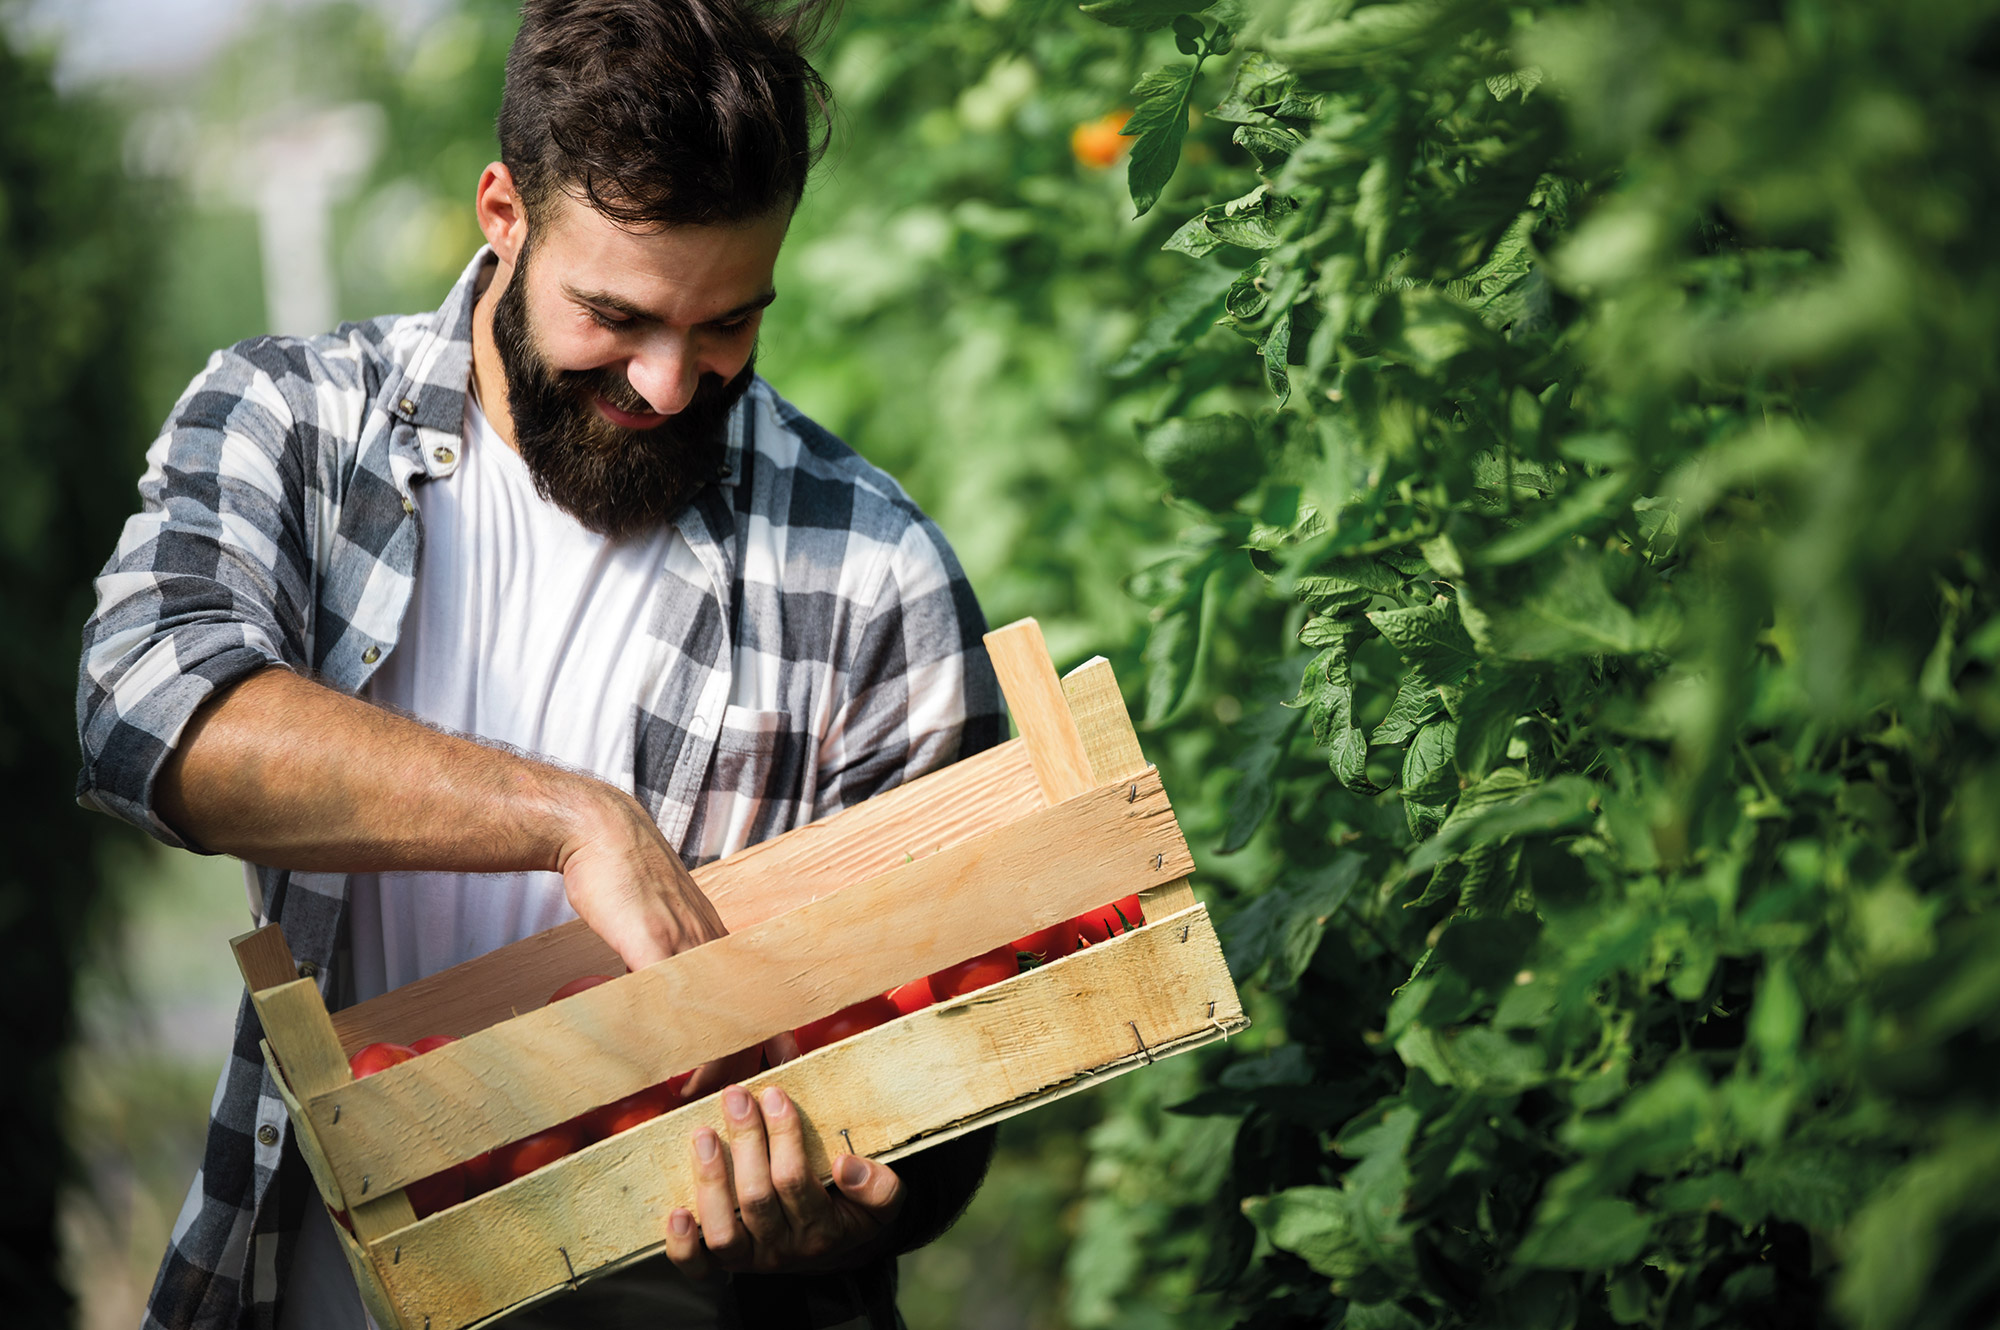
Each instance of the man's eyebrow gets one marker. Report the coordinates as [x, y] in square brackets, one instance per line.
[637, 314]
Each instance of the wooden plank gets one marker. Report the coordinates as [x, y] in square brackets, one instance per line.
[311, 1063]
[944, 808]
[264, 958]
[548, 1065]
[1113, 745]
[1109, 740]
[1035, 701]
[890, 1091]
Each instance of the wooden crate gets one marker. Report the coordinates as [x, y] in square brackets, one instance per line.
[1051, 824]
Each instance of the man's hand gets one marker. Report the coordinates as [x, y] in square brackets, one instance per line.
[626, 882]
[777, 1216]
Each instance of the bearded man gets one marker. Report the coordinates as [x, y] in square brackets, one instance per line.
[455, 625]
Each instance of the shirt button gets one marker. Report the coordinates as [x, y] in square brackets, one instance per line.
[407, 405]
[443, 455]
[267, 1135]
[371, 655]
[409, 504]
[307, 970]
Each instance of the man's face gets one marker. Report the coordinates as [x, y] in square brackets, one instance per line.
[624, 352]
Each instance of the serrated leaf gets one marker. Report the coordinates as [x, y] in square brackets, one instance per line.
[1416, 701]
[1259, 87]
[1493, 702]
[1269, 145]
[1193, 238]
[1568, 611]
[1592, 502]
[1159, 124]
[1430, 638]
[1428, 774]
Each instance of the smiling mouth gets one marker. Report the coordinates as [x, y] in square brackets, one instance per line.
[629, 419]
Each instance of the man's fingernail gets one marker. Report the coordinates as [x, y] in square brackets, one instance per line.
[681, 1222]
[853, 1171]
[705, 1145]
[737, 1103]
[773, 1100]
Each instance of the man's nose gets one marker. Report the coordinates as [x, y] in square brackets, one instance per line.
[665, 375]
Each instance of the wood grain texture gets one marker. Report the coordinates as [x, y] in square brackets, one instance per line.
[1110, 742]
[264, 958]
[552, 1063]
[893, 1089]
[1041, 713]
[1113, 746]
[310, 1062]
[947, 807]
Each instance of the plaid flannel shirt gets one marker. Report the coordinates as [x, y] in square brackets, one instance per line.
[813, 642]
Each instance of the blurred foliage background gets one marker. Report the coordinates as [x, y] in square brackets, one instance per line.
[1531, 466]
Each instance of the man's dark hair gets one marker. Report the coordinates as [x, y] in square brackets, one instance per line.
[664, 112]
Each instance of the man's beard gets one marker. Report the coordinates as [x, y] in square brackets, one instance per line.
[615, 481]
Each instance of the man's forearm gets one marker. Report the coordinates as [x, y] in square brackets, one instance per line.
[283, 771]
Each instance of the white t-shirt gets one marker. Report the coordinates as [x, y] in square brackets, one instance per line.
[517, 632]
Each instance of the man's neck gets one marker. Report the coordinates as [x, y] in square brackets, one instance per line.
[489, 377]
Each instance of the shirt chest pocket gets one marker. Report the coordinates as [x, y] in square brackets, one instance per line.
[760, 781]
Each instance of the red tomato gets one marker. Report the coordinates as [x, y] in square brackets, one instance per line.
[635, 1108]
[986, 968]
[482, 1173]
[863, 1015]
[1048, 944]
[1107, 921]
[432, 1042]
[532, 1152]
[378, 1057]
[913, 996]
[575, 986]
[439, 1191]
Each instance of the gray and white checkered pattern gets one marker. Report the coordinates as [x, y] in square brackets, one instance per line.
[814, 642]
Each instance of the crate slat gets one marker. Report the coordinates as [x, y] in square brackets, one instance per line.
[894, 1089]
[1035, 700]
[947, 807]
[1094, 700]
[548, 1065]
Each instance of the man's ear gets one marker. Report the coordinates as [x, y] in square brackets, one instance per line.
[503, 218]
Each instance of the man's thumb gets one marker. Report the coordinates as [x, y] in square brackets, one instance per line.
[868, 1184]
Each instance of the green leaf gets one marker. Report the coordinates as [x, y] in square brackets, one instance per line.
[1159, 122]
[1259, 87]
[1213, 460]
[1558, 805]
[1430, 638]
[1282, 928]
[1597, 1234]
[1190, 310]
[1143, 14]
[1476, 1059]
[1416, 701]
[1277, 350]
[1268, 734]
[1428, 774]
[1593, 502]
[1494, 700]
[1569, 611]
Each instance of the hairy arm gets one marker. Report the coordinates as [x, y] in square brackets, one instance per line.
[280, 770]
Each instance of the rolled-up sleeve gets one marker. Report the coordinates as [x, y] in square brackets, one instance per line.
[210, 582]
